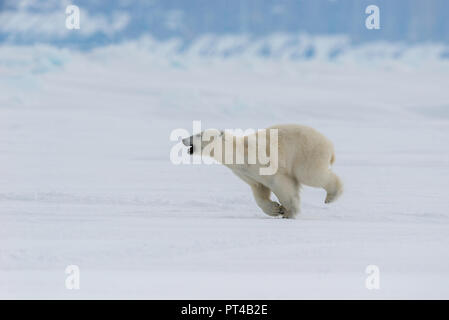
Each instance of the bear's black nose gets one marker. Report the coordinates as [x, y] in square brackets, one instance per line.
[188, 141]
[190, 151]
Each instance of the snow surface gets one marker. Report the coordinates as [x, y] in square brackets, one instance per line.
[85, 176]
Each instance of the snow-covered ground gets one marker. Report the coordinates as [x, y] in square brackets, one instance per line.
[86, 179]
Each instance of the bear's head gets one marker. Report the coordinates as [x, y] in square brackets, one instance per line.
[205, 139]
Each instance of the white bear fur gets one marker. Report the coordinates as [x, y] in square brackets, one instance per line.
[304, 158]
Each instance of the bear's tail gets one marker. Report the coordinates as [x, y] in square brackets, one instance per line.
[332, 158]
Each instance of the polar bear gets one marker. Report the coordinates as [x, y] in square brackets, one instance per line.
[304, 157]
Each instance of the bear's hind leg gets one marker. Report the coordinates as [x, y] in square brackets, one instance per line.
[286, 189]
[333, 187]
[324, 178]
[262, 197]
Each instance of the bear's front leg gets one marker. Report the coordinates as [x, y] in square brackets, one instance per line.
[286, 190]
[262, 197]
